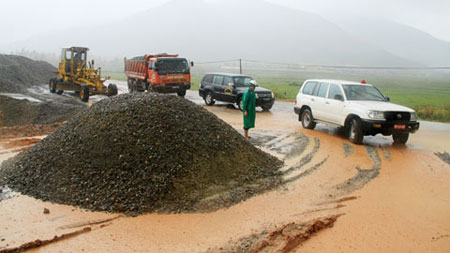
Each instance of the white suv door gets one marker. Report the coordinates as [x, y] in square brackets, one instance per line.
[306, 95]
[319, 106]
[335, 105]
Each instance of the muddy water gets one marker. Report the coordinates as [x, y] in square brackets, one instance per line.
[402, 198]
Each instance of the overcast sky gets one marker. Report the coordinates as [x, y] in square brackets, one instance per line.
[20, 19]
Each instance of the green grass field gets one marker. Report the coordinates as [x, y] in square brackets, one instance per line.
[429, 95]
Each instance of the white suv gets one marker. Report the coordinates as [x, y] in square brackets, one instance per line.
[358, 107]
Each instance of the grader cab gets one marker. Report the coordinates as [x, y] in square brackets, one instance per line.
[77, 74]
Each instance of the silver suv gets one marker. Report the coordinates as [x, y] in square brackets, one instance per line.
[358, 107]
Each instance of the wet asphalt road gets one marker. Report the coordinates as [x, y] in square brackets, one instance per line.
[287, 108]
[193, 96]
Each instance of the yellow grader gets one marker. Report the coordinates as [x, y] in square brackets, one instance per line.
[74, 74]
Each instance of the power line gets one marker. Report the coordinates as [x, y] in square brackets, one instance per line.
[335, 66]
[213, 62]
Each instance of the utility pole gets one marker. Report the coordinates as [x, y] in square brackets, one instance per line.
[240, 66]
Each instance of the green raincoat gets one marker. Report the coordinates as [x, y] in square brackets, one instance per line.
[249, 105]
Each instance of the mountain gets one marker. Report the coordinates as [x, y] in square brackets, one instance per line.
[220, 30]
[398, 39]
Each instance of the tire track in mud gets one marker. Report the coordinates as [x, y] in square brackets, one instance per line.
[305, 159]
[294, 148]
[348, 150]
[289, 146]
[307, 172]
[363, 176]
[386, 153]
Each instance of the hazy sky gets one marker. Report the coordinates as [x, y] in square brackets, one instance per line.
[20, 19]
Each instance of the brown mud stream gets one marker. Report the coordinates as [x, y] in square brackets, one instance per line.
[377, 197]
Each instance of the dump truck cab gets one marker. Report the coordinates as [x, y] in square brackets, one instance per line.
[76, 73]
[164, 73]
[168, 72]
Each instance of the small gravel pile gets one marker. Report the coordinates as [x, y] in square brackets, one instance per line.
[25, 78]
[138, 153]
[18, 73]
[19, 112]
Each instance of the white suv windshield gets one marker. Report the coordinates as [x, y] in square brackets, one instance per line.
[362, 92]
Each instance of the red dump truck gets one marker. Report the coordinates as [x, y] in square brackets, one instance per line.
[162, 73]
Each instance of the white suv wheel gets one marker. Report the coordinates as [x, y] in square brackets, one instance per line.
[307, 119]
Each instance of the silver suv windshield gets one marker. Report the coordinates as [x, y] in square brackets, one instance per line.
[242, 81]
[362, 92]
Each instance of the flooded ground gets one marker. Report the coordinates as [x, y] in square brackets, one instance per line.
[381, 197]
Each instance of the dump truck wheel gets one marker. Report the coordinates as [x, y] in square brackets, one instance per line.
[52, 85]
[130, 85]
[84, 93]
[139, 85]
[181, 93]
[112, 89]
[133, 86]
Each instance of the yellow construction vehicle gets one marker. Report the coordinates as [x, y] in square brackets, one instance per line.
[74, 74]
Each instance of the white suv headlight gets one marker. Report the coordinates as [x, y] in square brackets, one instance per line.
[273, 95]
[256, 95]
[375, 115]
[413, 116]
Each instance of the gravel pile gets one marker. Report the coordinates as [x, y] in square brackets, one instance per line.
[138, 153]
[25, 78]
[18, 73]
[19, 112]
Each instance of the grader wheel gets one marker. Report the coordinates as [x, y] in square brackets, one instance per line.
[112, 89]
[59, 92]
[52, 85]
[84, 93]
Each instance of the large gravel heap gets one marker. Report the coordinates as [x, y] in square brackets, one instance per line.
[141, 153]
[17, 73]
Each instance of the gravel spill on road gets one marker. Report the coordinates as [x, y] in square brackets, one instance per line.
[138, 153]
[444, 156]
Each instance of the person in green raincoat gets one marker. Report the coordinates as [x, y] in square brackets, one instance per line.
[249, 108]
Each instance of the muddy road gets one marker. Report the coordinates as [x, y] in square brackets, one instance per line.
[337, 197]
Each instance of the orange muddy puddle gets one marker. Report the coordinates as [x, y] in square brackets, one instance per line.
[399, 200]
